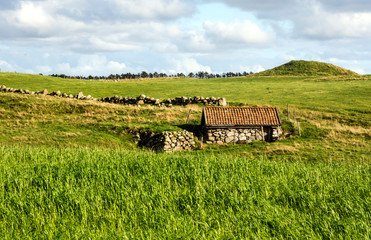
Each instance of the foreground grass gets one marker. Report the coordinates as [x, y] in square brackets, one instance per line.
[85, 193]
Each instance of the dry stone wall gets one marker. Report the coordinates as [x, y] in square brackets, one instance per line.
[79, 96]
[140, 100]
[221, 136]
[167, 141]
[182, 101]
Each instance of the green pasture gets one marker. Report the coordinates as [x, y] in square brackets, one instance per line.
[58, 123]
[307, 92]
[112, 194]
[70, 169]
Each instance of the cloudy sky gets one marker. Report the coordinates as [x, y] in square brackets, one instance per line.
[99, 37]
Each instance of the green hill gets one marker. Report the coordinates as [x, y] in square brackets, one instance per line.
[307, 68]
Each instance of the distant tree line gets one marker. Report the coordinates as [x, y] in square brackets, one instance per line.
[200, 75]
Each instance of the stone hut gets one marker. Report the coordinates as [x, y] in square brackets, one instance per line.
[240, 124]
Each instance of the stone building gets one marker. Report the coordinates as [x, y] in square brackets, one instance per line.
[240, 124]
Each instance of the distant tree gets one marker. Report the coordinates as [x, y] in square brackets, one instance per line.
[144, 74]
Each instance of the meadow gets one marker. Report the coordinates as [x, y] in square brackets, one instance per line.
[94, 193]
[72, 169]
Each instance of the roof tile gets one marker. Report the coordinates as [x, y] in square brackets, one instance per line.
[241, 116]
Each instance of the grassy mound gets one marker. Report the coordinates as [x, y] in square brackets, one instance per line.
[307, 68]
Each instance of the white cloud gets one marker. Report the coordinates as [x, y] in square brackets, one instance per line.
[358, 70]
[197, 41]
[106, 45]
[94, 36]
[287, 57]
[159, 9]
[166, 47]
[44, 69]
[187, 64]
[116, 67]
[312, 19]
[245, 32]
[254, 68]
[38, 19]
[31, 15]
[334, 25]
[92, 65]
[6, 67]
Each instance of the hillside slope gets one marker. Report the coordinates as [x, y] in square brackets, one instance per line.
[306, 68]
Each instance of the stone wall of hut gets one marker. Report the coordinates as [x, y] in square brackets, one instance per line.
[167, 141]
[240, 135]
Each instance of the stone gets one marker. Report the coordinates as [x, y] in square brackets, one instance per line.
[44, 92]
[157, 102]
[167, 147]
[80, 95]
[229, 139]
[58, 93]
[222, 102]
[230, 134]
[211, 138]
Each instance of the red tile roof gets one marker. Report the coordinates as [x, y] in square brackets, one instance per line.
[241, 116]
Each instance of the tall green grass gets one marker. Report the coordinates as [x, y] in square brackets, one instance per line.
[90, 194]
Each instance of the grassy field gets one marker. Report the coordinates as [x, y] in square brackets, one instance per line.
[308, 92]
[71, 169]
[91, 193]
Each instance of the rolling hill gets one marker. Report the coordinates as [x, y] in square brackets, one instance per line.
[307, 68]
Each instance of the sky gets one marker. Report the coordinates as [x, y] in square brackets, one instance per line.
[102, 37]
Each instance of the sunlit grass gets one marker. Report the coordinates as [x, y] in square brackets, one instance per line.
[87, 193]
